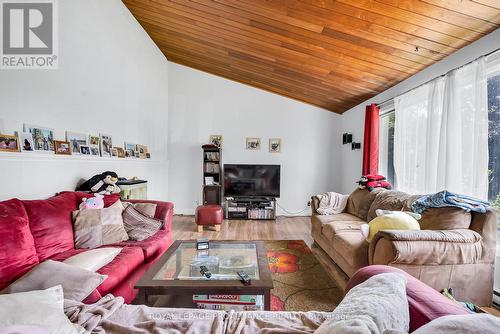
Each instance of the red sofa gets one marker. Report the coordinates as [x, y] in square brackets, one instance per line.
[32, 231]
[425, 304]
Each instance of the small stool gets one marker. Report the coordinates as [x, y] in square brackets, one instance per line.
[209, 215]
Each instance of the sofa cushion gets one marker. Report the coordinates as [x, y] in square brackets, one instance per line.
[50, 224]
[93, 259]
[124, 264]
[152, 246]
[17, 247]
[360, 200]
[331, 229]
[353, 248]
[388, 200]
[447, 218]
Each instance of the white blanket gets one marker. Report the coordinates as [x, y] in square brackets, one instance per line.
[331, 203]
[462, 324]
[378, 305]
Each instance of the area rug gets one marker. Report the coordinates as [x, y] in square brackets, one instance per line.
[300, 282]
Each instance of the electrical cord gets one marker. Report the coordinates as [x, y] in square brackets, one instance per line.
[292, 213]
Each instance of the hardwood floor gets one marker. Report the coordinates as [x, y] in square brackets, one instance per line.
[284, 228]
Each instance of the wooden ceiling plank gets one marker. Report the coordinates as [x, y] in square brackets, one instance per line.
[267, 48]
[403, 26]
[344, 22]
[303, 83]
[397, 57]
[443, 20]
[469, 8]
[442, 15]
[236, 14]
[366, 35]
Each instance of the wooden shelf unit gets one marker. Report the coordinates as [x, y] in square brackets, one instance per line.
[212, 167]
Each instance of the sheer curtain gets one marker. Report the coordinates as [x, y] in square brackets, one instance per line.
[441, 134]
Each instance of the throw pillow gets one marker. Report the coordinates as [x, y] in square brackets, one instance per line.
[77, 283]
[139, 226]
[97, 227]
[147, 209]
[93, 259]
[377, 305]
[39, 311]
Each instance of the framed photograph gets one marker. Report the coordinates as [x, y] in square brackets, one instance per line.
[9, 143]
[94, 151]
[43, 138]
[114, 152]
[85, 150]
[26, 142]
[106, 145]
[120, 151]
[274, 145]
[129, 150]
[136, 154]
[94, 140]
[142, 149]
[253, 143]
[216, 140]
[209, 180]
[62, 147]
[75, 140]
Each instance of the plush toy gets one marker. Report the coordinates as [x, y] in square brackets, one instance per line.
[372, 181]
[390, 220]
[104, 184]
[96, 202]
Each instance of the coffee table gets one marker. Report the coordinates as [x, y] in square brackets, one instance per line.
[177, 272]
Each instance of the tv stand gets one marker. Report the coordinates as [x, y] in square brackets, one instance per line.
[257, 208]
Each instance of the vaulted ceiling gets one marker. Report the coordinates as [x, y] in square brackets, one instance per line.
[330, 53]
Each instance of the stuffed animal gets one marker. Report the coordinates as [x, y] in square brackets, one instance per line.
[372, 181]
[104, 184]
[96, 202]
[390, 220]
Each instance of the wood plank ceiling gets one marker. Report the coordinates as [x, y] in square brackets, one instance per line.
[332, 54]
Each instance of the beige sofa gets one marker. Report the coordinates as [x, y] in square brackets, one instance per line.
[454, 248]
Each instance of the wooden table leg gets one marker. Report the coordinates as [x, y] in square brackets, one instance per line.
[267, 300]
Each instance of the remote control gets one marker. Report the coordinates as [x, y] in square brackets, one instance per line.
[245, 279]
[205, 272]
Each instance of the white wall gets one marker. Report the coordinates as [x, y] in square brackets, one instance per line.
[353, 119]
[112, 79]
[201, 104]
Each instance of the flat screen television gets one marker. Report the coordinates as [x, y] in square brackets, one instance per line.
[251, 180]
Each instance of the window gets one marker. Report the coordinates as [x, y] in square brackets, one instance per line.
[386, 143]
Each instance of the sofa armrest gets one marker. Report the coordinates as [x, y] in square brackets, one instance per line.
[425, 303]
[426, 247]
[164, 211]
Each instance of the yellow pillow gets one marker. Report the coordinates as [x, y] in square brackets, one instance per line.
[391, 221]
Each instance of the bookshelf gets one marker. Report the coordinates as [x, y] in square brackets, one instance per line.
[212, 174]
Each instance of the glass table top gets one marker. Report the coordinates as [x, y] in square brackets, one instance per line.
[223, 260]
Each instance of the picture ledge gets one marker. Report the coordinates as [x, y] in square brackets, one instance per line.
[21, 156]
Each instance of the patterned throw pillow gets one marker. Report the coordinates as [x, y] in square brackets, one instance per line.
[139, 226]
[97, 227]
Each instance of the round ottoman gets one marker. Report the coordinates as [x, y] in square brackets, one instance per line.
[209, 215]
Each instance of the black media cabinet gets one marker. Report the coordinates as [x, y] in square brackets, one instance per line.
[258, 208]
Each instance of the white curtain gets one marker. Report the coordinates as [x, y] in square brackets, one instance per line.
[441, 134]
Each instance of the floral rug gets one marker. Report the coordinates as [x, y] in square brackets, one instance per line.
[300, 282]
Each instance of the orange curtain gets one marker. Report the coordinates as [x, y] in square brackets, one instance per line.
[370, 142]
